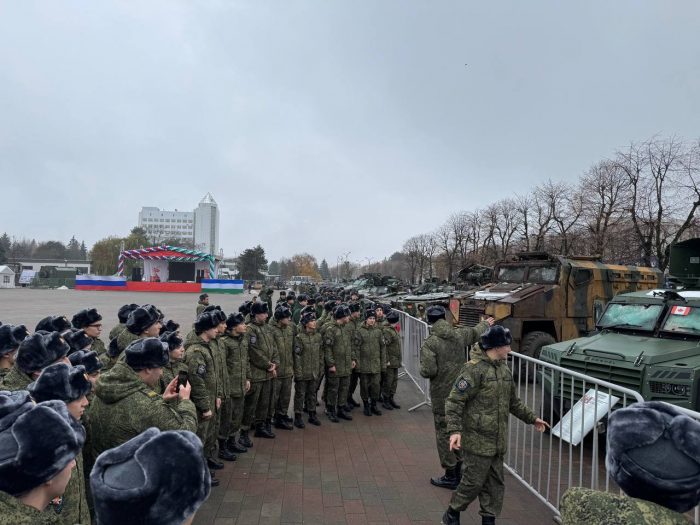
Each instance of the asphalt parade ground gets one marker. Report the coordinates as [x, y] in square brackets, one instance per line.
[369, 470]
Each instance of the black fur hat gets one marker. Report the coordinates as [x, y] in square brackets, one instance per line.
[39, 350]
[329, 305]
[310, 301]
[653, 454]
[282, 312]
[113, 348]
[203, 296]
[124, 311]
[370, 312]
[172, 339]
[206, 321]
[496, 337]
[341, 311]
[245, 308]
[302, 297]
[8, 343]
[308, 308]
[150, 352]
[354, 307]
[307, 318]
[259, 308]
[53, 323]
[85, 318]
[169, 326]
[88, 359]
[20, 332]
[60, 381]
[392, 317]
[291, 294]
[77, 339]
[211, 308]
[141, 318]
[160, 477]
[36, 441]
[234, 320]
[435, 313]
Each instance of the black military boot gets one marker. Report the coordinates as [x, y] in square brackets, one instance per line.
[393, 403]
[268, 427]
[449, 481]
[331, 414]
[386, 404]
[288, 419]
[214, 482]
[261, 431]
[225, 453]
[488, 520]
[214, 464]
[298, 422]
[235, 447]
[374, 409]
[366, 410]
[244, 439]
[451, 517]
[313, 418]
[352, 402]
[281, 423]
[343, 413]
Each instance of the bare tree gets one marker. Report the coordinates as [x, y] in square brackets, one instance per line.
[412, 256]
[542, 215]
[508, 223]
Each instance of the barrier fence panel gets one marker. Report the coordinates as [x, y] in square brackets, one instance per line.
[413, 333]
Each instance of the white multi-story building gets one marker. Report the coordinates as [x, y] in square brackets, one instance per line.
[199, 227]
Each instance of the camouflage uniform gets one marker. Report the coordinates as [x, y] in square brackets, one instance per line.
[114, 332]
[98, 346]
[124, 339]
[124, 406]
[390, 377]
[238, 372]
[441, 357]
[15, 379]
[200, 308]
[355, 324]
[171, 371]
[3, 373]
[338, 352]
[581, 506]
[14, 512]
[204, 378]
[481, 399]
[74, 505]
[371, 360]
[261, 352]
[308, 364]
[226, 411]
[190, 339]
[282, 393]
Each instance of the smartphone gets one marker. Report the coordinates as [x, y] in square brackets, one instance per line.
[181, 379]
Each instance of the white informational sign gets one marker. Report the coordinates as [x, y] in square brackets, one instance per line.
[580, 420]
[26, 276]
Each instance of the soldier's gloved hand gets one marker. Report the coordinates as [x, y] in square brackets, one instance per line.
[455, 441]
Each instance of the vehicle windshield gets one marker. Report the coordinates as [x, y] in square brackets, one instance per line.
[683, 319]
[511, 274]
[543, 274]
[637, 316]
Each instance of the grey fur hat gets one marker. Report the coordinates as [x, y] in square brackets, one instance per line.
[259, 308]
[435, 313]
[150, 352]
[124, 311]
[141, 318]
[495, 337]
[39, 350]
[85, 318]
[156, 478]
[172, 339]
[654, 454]
[60, 381]
[88, 359]
[234, 320]
[307, 318]
[206, 321]
[8, 343]
[36, 441]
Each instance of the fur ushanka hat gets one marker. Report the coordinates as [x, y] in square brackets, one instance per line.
[85, 318]
[77, 339]
[39, 350]
[53, 323]
[496, 337]
[140, 319]
[60, 381]
[150, 352]
[89, 360]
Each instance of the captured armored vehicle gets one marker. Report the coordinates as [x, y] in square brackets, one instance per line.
[545, 298]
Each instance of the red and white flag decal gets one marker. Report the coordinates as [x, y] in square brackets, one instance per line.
[680, 310]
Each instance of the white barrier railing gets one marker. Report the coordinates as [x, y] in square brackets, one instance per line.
[413, 333]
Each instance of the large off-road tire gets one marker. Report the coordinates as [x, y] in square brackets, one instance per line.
[531, 346]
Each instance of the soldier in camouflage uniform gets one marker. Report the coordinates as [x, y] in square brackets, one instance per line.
[91, 322]
[144, 321]
[371, 361]
[238, 366]
[8, 347]
[122, 316]
[340, 361]
[443, 354]
[225, 412]
[202, 304]
[480, 402]
[390, 377]
[301, 302]
[283, 333]
[35, 353]
[176, 364]
[308, 364]
[355, 323]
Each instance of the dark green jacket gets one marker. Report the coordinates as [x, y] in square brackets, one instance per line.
[14, 512]
[237, 363]
[308, 357]
[479, 404]
[392, 341]
[15, 379]
[114, 332]
[124, 406]
[171, 371]
[284, 342]
[337, 349]
[370, 349]
[261, 351]
[124, 339]
[219, 349]
[203, 375]
[98, 346]
[75, 507]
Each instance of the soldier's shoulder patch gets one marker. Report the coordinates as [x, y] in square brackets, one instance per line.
[202, 370]
[462, 385]
[253, 339]
[297, 350]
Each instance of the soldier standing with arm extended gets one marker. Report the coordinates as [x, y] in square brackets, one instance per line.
[442, 356]
[480, 402]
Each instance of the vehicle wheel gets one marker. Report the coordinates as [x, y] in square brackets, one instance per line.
[531, 346]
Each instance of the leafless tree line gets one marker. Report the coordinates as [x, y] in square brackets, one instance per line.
[627, 209]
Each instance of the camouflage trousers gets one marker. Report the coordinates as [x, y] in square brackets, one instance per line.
[305, 396]
[237, 405]
[224, 414]
[369, 387]
[282, 395]
[390, 380]
[207, 431]
[337, 389]
[257, 404]
[354, 380]
[448, 458]
[483, 479]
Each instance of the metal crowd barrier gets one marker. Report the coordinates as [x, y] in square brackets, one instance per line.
[413, 333]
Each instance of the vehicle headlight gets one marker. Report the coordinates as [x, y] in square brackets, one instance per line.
[670, 389]
[681, 390]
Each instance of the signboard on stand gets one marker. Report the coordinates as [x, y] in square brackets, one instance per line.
[583, 416]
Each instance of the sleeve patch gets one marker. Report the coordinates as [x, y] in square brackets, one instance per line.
[462, 385]
[297, 350]
[253, 339]
[329, 341]
[202, 370]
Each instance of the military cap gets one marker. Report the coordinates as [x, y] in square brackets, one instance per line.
[8, 343]
[36, 441]
[203, 296]
[87, 359]
[318, 299]
[150, 352]
[341, 311]
[77, 339]
[124, 311]
[652, 454]
[205, 321]
[160, 477]
[259, 308]
[307, 318]
[495, 337]
[392, 317]
[169, 326]
[60, 381]
[435, 313]
[85, 318]
[282, 312]
[172, 339]
[234, 320]
[39, 350]
[370, 312]
[141, 318]
[355, 307]
[53, 323]
[245, 308]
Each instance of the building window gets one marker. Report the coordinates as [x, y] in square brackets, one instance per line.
[6, 279]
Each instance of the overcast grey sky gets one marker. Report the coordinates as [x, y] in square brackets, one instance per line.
[323, 127]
